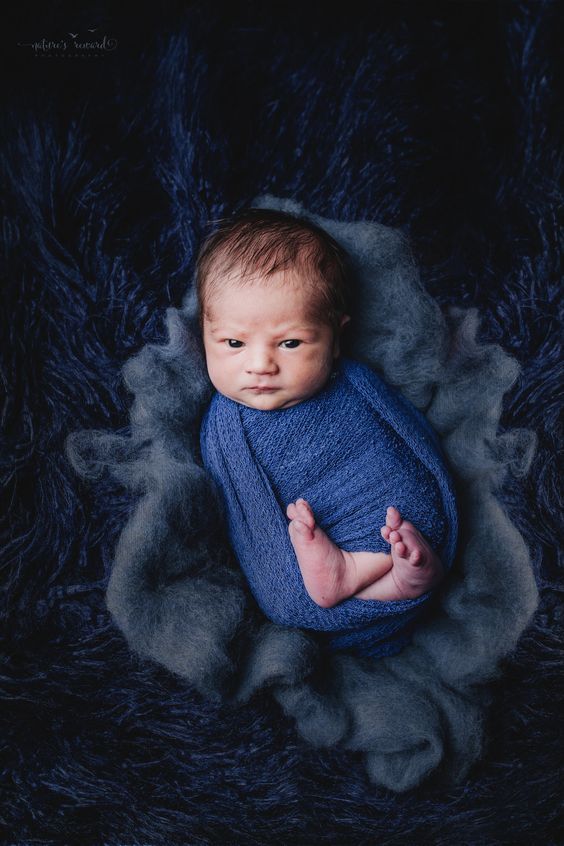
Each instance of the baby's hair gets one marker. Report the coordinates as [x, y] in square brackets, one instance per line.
[264, 241]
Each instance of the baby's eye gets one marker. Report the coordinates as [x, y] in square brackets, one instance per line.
[234, 343]
[291, 344]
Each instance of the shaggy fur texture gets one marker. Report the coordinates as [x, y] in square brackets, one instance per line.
[444, 123]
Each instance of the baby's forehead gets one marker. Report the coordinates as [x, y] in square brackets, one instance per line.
[290, 282]
[225, 274]
[258, 306]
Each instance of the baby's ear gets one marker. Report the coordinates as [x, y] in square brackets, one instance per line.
[342, 323]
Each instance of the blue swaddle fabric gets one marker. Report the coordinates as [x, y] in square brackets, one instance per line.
[351, 450]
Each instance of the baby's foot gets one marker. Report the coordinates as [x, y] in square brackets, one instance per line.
[416, 567]
[322, 563]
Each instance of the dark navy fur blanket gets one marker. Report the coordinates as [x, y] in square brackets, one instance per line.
[441, 119]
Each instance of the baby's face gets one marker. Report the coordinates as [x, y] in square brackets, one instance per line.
[262, 349]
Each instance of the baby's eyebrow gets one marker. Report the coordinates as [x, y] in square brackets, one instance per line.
[235, 332]
[225, 329]
[299, 330]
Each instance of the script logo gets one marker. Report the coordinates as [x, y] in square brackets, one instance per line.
[72, 45]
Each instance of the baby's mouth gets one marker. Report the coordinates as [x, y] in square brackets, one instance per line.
[260, 389]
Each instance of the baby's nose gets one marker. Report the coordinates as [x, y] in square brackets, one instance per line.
[261, 361]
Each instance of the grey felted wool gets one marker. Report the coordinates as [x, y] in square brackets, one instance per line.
[177, 593]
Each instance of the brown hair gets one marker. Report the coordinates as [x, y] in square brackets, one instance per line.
[263, 241]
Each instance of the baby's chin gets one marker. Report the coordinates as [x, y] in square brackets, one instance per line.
[267, 401]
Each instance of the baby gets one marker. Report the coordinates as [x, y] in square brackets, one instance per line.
[272, 292]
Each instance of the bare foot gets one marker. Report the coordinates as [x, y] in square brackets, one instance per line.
[330, 574]
[416, 567]
[322, 563]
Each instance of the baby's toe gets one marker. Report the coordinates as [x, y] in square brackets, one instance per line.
[400, 549]
[300, 528]
[304, 512]
[291, 511]
[393, 517]
[416, 558]
[385, 532]
[395, 537]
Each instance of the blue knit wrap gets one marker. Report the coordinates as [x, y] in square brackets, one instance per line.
[351, 450]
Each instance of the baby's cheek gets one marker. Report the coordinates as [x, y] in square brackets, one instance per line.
[216, 370]
[316, 377]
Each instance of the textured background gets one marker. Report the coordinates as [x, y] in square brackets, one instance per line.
[439, 118]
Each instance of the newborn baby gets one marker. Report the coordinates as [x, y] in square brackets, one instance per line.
[272, 292]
